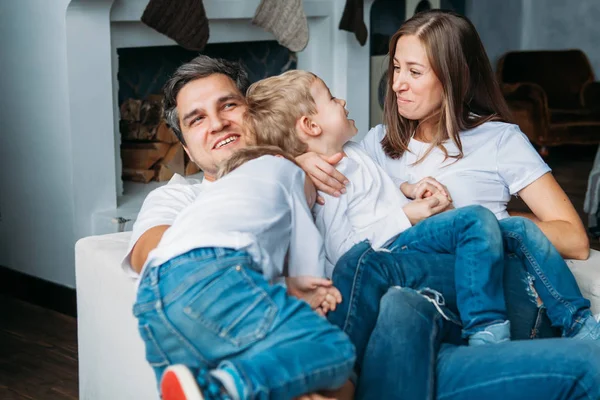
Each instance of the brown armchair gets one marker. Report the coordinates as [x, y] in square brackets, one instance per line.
[552, 95]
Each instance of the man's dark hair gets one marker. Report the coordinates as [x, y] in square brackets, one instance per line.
[200, 67]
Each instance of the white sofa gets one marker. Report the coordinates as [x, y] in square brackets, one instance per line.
[111, 354]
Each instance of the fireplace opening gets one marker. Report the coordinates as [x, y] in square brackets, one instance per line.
[150, 154]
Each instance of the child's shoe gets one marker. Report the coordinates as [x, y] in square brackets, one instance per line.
[493, 334]
[178, 383]
[590, 330]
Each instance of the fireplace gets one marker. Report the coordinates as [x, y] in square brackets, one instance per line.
[97, 30]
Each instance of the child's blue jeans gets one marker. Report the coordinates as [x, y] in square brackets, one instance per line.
[364, 275]
[212, 308]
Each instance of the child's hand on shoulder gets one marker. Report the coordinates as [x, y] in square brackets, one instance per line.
[319, 293]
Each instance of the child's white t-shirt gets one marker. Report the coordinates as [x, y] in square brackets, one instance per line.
[261, 208]
[498, 162]
[371, 209]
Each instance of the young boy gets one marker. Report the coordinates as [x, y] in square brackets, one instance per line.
[296, 112]
[213, 324]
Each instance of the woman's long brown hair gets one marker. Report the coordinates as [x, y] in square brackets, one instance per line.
[471, 95]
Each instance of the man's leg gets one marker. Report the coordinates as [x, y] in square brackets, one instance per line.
[399, 362]
[529, 370]
[552, 280]
[473, 235]
[220, 314]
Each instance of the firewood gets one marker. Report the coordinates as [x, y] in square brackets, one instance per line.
[143, 155]
[137, 175]
[151, 110]
[165, 134]
[130, 110]
[171, 164]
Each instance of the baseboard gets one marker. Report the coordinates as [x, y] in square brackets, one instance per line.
[38, 291]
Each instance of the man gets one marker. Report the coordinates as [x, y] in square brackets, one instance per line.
[204, 105]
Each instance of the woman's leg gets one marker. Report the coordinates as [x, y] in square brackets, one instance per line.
[551, 278]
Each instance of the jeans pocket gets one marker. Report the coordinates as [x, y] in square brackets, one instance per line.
[234, 307]
[154, 354]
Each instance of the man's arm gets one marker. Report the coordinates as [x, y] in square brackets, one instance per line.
[145, 244]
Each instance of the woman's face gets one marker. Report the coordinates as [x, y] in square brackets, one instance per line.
[418, 90]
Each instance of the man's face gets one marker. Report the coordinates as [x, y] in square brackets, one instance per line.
[211, 115]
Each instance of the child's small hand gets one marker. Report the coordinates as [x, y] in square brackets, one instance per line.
[426, 187]
[418, 210]
[319, 293]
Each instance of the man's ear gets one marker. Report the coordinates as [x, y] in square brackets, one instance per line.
[308, 127]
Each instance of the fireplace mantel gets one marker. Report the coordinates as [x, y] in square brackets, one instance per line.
[97, 28]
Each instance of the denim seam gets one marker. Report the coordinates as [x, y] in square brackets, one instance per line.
[522, 377]
[152, 339]
[259, 332]
[165, 320]
[355, 287]
[218, 265]
[533, 262]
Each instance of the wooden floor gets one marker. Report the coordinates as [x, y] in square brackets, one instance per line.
[38, 352]
[38, 347]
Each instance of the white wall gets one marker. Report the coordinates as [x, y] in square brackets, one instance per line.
[36, 202]
[499, 23]
[559, 24]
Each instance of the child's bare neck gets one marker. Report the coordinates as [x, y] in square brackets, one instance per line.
[326, 149]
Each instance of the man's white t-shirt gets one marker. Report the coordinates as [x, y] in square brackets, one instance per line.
[261, 208]
[370, 210]
[498, 162]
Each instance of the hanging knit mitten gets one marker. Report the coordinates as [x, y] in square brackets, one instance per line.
[284, 19]
[353, 20]
[184, 21]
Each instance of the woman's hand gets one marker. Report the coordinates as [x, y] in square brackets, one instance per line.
[322, 172]
[426, 187]
[418, 210]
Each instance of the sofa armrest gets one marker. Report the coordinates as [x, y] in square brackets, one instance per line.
[587, 274]
[112, 362]
[590, 95]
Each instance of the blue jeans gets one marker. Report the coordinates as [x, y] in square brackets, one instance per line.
[406, 346]
[212, 308]
[549, 274]
[473, 235]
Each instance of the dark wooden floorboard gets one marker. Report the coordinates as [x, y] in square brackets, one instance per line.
[38, 347]
[38, 352]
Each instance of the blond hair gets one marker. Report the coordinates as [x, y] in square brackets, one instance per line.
[242, 156]
[274, 106]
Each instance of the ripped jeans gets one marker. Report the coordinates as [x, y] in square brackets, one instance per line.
[364, 275]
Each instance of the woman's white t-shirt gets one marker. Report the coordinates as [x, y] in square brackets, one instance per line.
[498, 162]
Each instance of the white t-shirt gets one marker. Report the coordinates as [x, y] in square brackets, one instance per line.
[261, 208]
[371, 208]
[498, 162]
[161, 207]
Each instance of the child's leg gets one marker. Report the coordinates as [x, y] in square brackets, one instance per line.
[473, 234]
[216, 312]
[553, 281]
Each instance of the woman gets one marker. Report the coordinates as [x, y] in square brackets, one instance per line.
[445, 118]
